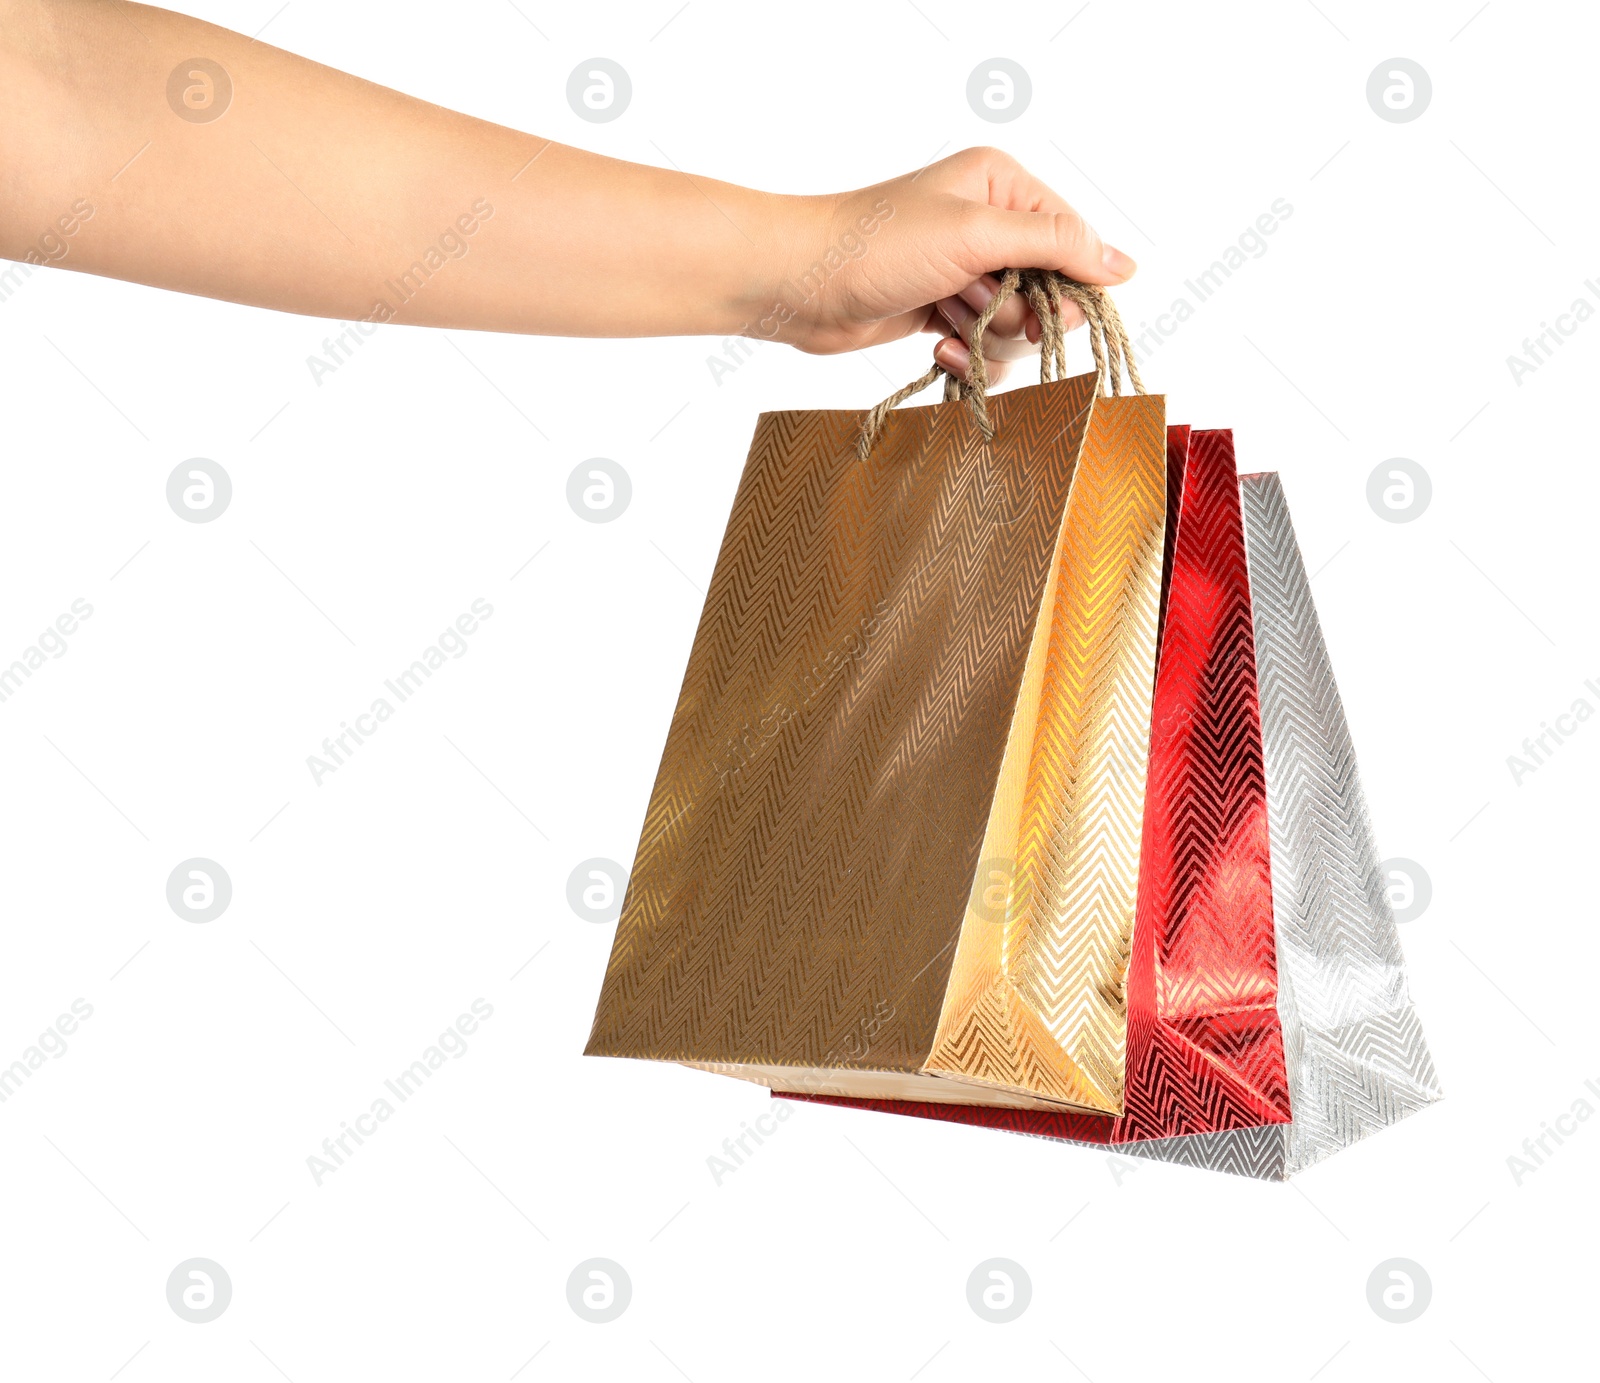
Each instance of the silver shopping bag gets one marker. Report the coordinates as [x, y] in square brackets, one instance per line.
[1356, 1056]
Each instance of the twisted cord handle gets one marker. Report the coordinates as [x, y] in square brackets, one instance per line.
[1044, 290]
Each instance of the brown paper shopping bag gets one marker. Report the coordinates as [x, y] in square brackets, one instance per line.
[892, 848]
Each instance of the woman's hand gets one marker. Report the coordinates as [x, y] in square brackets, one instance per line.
[915, 254]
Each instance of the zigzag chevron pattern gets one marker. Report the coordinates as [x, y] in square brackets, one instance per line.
[1050, 987]
[1357, 1058]
[1362, 1062]
[813, 834]
[1203, 1032]
[1205, 1046]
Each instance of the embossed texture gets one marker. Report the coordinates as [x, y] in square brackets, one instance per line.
[880, 674]
[1205, 1047]
[1356, 1054]
[1036, 1003]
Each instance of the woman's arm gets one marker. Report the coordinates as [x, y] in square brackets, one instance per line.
[257, 176]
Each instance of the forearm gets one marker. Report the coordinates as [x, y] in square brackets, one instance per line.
[319, 193]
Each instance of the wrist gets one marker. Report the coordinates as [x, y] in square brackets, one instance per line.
[767, 296]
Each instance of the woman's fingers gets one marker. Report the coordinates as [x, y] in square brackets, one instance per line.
[952, 355]
[1014, 314]
[1011, 335]
[1029, 224]
[959, 314]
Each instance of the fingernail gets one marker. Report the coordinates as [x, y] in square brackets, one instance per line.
[977, 295]
[956, 312]
[1117, 263]
[953, 356]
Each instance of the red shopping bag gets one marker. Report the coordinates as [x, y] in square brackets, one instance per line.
[1205, 1049]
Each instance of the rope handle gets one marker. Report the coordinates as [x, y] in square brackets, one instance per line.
[1044, 290]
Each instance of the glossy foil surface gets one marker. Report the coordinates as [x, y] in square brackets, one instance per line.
[1036, 992]
[811, 843]
[1205, 1046]
[1357, 1057]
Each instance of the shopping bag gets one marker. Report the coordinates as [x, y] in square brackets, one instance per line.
[892, 845]
[1355, 1053]
[1205, 1045]
[1357, 1058]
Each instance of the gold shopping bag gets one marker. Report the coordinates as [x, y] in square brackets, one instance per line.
[892, 849]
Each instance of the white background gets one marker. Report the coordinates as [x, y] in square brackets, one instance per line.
[370, 911]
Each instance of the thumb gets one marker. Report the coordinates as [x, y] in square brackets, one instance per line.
[1062, 240]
